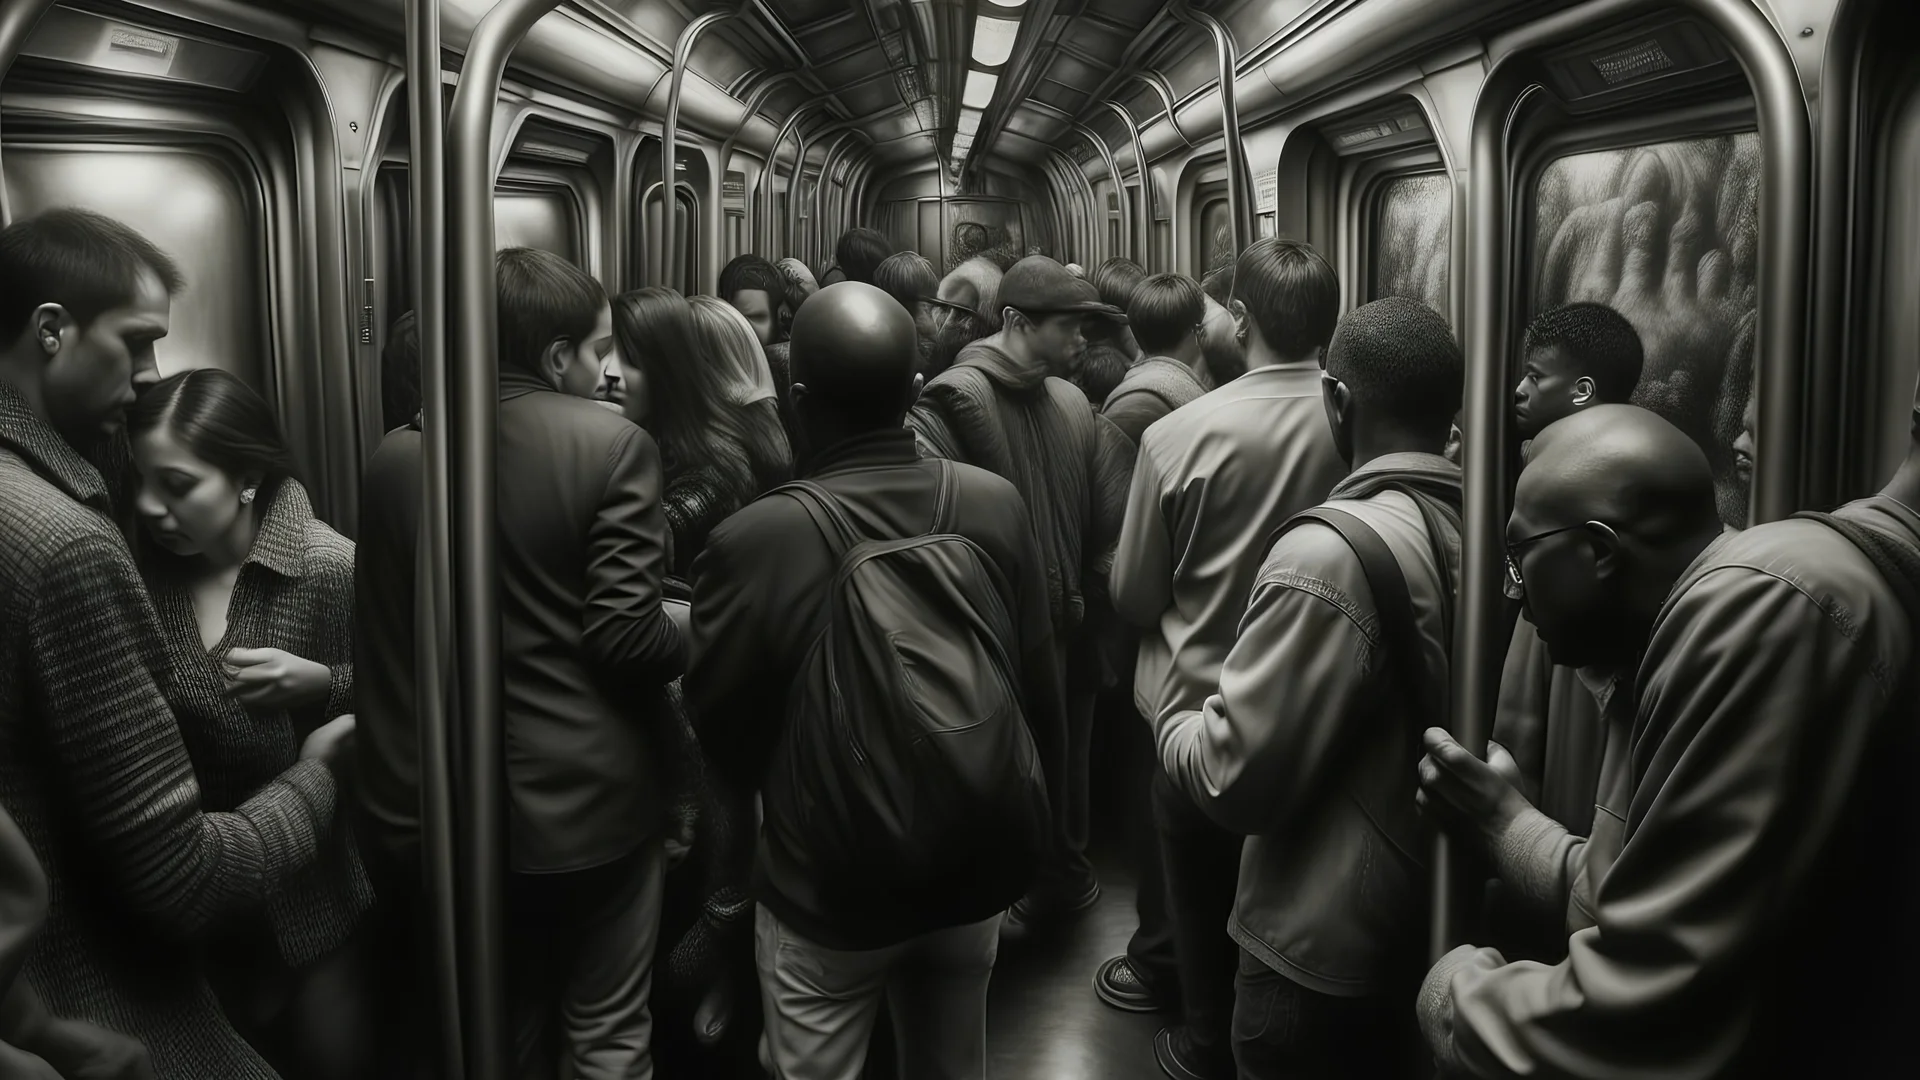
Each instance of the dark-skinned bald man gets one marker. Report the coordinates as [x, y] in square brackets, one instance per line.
[1763, 863]
[757, 587]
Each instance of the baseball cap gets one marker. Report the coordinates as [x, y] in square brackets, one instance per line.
[1038, 285]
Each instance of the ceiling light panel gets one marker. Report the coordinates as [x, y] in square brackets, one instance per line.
[993, 40]
[979, 89]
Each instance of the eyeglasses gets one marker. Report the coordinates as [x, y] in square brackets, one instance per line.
[1514, 586]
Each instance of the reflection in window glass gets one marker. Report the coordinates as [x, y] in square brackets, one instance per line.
[1412, 239]
[1215, 237]
[1666, 235]
[536, 219]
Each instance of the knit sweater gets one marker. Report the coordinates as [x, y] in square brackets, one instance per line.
[294, 593]
[94, 771]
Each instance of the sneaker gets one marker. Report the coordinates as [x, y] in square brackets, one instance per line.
[1118, 983]
[1179, 1058]
[1031, 911]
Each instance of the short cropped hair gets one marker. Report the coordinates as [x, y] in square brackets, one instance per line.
[860, 252]
[1164, 310]
[542, 297]
[1401, 362]
[1116, 279]
[750, 273]
[1599, 340]
[908, 277]
[1291, 293]
[86, 262]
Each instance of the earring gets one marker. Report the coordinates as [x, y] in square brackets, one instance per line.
[246, 496]
[52, 344]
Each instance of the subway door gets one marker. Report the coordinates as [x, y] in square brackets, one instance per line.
[216, 148]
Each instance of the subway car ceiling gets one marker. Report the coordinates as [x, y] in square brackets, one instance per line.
[1731, 174]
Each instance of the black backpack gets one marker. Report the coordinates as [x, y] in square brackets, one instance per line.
[907, 768]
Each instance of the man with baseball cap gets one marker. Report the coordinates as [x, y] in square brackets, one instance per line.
[999, 409]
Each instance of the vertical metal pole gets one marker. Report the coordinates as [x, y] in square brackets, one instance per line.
[433, 617]
[682, 49]
[1119, 190]
[476, 582]
[773, 228]
[1145, 220]
[1240, 182]
[17, 20]
[823, 201]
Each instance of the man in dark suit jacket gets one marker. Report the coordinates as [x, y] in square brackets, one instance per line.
[586, 651]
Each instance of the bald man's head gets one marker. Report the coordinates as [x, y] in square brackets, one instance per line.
[854, 351]
[1613, 505]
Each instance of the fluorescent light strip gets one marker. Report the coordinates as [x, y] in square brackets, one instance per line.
[993, 39]
[979, 89]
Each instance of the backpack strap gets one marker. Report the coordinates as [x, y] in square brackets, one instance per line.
[1399, 627]
[945, 500]
[825, 511]
[1897, 562]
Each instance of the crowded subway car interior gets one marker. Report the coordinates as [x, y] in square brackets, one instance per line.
[1423, 575]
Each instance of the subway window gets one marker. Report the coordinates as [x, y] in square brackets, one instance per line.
[1666, 234]
[1214, 239]
[1412, 239]
[545, 217]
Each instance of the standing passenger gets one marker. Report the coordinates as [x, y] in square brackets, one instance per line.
[834, 937]
[585, 652]
[758, 291]
[255, 596]
[1308, 745]
[1768, 830]
[859, 253]
[1000, 408]
[92, 765]
[1166, 315]
[1213, 482]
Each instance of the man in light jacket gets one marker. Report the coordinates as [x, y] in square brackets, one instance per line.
[1308, 745]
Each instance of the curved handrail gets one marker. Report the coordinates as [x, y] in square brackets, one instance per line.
[433, 589]
[1119, 187]
[475, 404]
[754, 100]
[819, 225]
[1145, 239]
[807, 140]
[669, 131]
[1158, 84]
[772, 229]
[1239, 179]
[17, 20]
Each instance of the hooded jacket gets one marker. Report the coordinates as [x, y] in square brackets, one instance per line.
[1766, 842]
[1071, 465]
[1311, 753]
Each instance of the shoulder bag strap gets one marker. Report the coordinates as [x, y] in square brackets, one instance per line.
[824, 509]
[1399, 628]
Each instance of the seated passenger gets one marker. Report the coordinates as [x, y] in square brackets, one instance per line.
[752, 285]
[33, 1044]
[859, 253]
[999, 407]
[585, 651]
[1165, 317]
[1307, 746]
[838, 934]
[255, 597]
[1768, 806]
[1213, 481]
[93, 767]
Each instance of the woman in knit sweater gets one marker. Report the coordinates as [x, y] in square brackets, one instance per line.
[255, 596]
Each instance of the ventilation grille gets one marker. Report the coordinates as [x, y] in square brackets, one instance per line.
[141, 43]
[1634, 62]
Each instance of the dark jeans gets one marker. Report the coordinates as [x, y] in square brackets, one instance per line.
[314, 1022]
[1150, 951]
[1200, 868]
[1072, 871]
[408, 1030]
[1283, 1031]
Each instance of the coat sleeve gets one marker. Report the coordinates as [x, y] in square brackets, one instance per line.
[1142, 579]
[114, 751]
[1756, 715]
[626, 632]
[1295, 675]
[1112, 472]
[736, 709]
[1520, 713]
[1040, 660]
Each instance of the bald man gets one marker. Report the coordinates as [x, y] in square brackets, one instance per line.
[1768, 816]
[826, 960]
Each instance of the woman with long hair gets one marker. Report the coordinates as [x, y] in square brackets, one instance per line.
[693, 382]
[255, 596]
[692, 374]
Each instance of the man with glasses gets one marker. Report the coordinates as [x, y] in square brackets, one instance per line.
[1764, 808]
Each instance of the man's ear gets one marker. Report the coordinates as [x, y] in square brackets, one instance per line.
[1583, 390]
[1608, 561]
[47, 326]
[1338, 402]
[555, 358]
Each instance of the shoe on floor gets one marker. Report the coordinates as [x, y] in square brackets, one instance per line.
[1038, 909]
[1173, 1048]
[1118, 983]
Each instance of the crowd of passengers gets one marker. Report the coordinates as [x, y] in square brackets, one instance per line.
[1218, 517]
